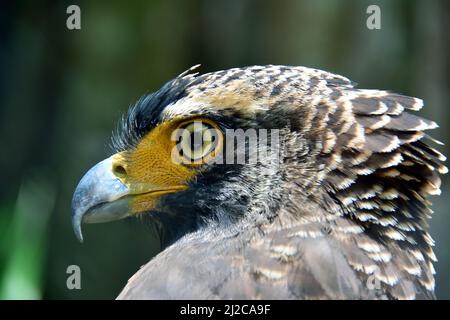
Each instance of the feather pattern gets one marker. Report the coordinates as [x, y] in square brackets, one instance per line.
[343, 216]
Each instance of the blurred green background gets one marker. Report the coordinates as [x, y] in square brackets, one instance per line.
[62, 92]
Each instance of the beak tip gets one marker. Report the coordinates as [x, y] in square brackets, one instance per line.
[97, 197]
[80, 237]
[76, 223]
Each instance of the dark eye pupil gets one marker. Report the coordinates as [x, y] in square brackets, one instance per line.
[196, 140]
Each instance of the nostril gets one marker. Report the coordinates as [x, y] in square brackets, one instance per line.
[119, 170]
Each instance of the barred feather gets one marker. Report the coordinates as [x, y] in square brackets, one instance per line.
[350, 199]
[386, 192]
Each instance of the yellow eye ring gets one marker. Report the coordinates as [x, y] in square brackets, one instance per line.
[198, 141]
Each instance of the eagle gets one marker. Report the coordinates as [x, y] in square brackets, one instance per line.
[335, 204]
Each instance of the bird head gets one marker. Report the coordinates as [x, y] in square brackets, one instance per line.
[192, 154]
[273, 140]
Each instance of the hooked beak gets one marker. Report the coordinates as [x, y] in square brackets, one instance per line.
[99, 197]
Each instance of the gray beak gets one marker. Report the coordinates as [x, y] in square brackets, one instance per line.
[99, 197]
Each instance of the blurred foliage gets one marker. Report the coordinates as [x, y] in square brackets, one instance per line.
[62, 92]
[25, 241]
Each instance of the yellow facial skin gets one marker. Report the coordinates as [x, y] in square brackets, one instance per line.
[149, 170]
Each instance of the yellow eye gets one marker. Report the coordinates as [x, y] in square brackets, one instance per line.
[198, 141]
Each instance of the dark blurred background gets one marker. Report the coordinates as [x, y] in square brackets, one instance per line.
[62, 92]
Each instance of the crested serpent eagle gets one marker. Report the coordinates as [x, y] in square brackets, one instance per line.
[338, 212]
